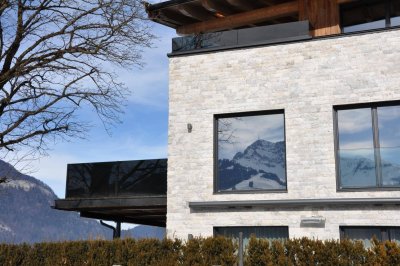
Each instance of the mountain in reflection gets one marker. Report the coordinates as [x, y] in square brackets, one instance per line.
[360, 171]
[260, 166]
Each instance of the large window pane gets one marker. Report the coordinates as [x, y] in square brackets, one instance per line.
[389, 126]
[366, 233]
[390, 164]
[356, 152]
[389, 142]
[251, 153]
[357, 168]
[369, 146]
[355, 129]
[363, 234]
[394, 235]
[271, 233]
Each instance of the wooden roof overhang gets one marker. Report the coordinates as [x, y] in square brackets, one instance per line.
[203, 16]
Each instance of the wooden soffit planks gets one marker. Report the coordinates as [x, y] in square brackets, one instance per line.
[240, 19]
[215, 16]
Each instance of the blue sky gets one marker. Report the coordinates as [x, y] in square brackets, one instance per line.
[143, 133]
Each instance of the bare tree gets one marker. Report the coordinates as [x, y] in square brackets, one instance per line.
[53, 58]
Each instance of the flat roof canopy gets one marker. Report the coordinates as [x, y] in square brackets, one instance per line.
[125, 191]
[189, 16]
[205, 16]
[148, 210]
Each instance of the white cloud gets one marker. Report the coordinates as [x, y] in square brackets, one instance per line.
[360, 144]
[354, 120]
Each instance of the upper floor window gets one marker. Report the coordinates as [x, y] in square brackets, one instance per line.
[369, 15]
[368, 146]
[250, 152]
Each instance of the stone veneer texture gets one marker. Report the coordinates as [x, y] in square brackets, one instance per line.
[306, 79]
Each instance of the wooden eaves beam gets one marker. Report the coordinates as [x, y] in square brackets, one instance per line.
[237, 20]
[245, 18]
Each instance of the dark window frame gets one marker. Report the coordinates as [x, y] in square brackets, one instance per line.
[250, 226]
[385, 230]
[215, 151]
[376, 145]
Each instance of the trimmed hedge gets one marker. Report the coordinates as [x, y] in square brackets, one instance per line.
[200, 252]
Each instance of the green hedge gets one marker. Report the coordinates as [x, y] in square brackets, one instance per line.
[200, 251]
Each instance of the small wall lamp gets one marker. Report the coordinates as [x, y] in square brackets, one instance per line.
[313, 221]
[189, 128]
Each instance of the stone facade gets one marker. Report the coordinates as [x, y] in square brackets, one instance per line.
[306, 79]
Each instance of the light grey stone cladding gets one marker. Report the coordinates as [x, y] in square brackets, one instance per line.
[306, 79]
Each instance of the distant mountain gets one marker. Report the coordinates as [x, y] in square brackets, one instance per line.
[260, 166]
[144, 231]
[361, 171]
[26, 214]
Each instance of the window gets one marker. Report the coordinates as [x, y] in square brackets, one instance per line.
[366, 233]
[369, 15]
[368, 146]
[250, 152]
[271, 233]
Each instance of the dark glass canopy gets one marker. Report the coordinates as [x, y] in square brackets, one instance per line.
[123, 191]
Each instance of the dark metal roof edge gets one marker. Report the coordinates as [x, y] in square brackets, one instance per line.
[295, 202]
[120, 161]
[311, 39]
[242, 46]
[153, 7]
[114, 198]
[121, 203]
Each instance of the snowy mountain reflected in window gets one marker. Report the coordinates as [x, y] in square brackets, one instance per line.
[369, 147]
[251, 153]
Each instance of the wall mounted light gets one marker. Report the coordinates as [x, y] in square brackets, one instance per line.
[313, 221]
[189, 127]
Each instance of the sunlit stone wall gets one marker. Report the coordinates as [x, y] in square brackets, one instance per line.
[305, 79]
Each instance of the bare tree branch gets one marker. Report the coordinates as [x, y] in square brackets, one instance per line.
[52, 57]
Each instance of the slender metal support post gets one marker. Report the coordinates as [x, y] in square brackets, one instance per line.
[117, 230]
[240, 249]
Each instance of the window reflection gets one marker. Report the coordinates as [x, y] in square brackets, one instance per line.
[355, 129]
[357, 168]
[124, 178]
[389, 140]
[366, 233]
[271, 233]
[356, 152]
[251, 153]
[363, 234]
[368, 151]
